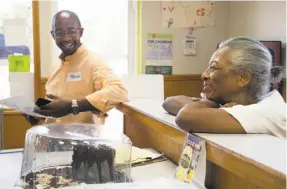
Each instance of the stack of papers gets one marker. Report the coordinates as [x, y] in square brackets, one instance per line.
[137, 155]
[23, 104]
[140, 155]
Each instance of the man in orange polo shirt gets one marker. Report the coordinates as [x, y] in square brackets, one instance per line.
[82, 85]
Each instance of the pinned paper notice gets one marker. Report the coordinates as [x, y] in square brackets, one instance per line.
[19, 63]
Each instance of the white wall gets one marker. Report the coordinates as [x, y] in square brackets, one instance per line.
[206, 38]
[261, 20]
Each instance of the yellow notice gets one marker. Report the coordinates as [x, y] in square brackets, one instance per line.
[19, 63]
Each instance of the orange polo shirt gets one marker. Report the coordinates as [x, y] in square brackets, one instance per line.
[86, 75]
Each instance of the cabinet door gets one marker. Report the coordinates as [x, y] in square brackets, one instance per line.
[14, 129]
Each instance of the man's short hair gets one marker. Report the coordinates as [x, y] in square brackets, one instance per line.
[74, 15]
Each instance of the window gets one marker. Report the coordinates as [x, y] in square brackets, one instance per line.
[109, 30]
[13, 11]
[106, 26]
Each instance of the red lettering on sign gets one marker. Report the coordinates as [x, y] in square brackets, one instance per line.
[202, 11]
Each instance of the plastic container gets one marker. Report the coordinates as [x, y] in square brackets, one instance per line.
[59, 155]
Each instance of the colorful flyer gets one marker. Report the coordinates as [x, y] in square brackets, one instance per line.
[164, 70]
[19, 63]
[159, 49]
[193, 149]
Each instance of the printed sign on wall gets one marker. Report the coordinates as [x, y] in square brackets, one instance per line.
[187, 14]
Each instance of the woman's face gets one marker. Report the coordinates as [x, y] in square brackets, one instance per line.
[220, 83]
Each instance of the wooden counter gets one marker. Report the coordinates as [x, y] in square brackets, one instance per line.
[233, 161]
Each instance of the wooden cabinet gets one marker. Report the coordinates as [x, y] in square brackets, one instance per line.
[188, 85]
[14, 129]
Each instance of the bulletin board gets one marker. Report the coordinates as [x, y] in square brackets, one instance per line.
[274, 48]
[176, 14]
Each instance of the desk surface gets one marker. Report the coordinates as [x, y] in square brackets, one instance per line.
[262, 150]
[10, 164]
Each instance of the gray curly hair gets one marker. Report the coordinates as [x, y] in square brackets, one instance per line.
[251, 56]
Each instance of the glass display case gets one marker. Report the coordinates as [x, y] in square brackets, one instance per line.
[60, 155]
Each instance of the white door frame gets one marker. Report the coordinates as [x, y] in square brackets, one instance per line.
[132, 37]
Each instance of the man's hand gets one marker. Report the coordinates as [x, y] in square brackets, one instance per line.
[57, 108]
[32, 120]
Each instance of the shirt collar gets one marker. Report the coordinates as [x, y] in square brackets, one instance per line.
[69, 58]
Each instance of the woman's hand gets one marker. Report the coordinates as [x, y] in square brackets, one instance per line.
[230, 104]
[203, 103]
[173, 104]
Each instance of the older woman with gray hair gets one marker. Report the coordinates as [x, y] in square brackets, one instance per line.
[236, 96]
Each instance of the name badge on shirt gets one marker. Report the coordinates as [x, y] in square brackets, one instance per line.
[76, 76]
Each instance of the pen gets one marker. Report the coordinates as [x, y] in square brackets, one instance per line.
[149, 160]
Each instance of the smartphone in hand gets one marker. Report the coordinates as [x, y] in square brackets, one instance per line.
[42, 102]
